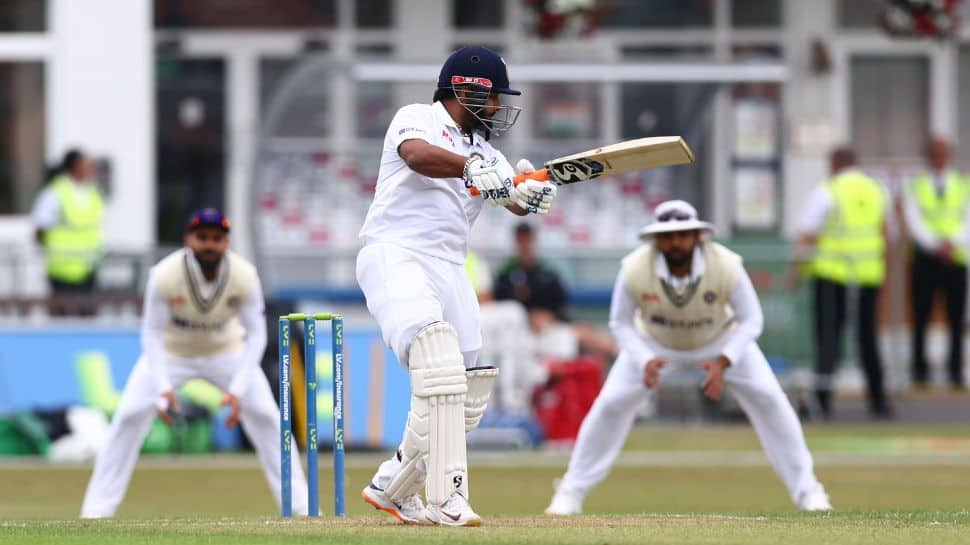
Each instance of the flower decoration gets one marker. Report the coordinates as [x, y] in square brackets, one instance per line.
[561, 18]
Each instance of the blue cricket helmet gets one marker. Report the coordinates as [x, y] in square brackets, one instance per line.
[476, 65]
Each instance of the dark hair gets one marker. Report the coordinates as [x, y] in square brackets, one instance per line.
[70, 160]
[842, 157]
[442, 94]
[64, 166]
[523, 228]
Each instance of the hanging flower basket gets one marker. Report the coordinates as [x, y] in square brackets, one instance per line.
[551, 19]
[919, 18]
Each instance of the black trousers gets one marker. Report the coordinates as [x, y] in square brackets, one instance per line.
[930, 274]
[72, 299]
[830, 312]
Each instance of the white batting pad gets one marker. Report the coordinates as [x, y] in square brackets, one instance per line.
[480, 382]
[414, 448]
[436, 425]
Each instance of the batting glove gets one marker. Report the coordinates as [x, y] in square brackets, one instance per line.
[533, 195]
[492, 178]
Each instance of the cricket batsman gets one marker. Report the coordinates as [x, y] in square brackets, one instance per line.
[411, 270]
[681, 300]
[203, 317]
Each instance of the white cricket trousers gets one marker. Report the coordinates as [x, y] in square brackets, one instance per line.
[260, 420]
[750, 381]
[407, 291]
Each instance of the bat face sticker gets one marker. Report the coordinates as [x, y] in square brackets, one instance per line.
[578, 170]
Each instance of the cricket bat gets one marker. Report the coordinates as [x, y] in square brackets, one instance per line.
[620, 158]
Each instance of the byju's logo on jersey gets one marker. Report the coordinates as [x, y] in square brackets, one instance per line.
[468, 183]
[447, 136]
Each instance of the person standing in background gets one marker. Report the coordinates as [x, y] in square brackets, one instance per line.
[936, 204]
[68, 218]
[844, 227]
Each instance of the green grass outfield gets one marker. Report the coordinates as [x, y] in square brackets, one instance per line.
[670, 485]
[770, 529]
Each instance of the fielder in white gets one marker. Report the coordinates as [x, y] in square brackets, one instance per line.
[411, 270]
[681, 300]
[203, 317]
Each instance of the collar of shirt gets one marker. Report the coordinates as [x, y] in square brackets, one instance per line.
[80, 188]
[442, 116]
[81, 184]
[940, 179]
[844, 170]
[206, 286]
[697, 268]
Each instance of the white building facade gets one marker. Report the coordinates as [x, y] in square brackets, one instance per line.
[177, 104]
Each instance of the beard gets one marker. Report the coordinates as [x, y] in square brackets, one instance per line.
[208, 261]
[677, 258]
[476, 120]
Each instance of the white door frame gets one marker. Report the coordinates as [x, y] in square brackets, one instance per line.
[241, 51]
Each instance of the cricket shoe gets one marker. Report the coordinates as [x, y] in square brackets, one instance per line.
[814, 500]
[565, 503]
[456, 511]
[409, 511]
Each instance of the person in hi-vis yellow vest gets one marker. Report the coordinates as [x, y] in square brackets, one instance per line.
[936, 205]
[842, 233]
[68, 217]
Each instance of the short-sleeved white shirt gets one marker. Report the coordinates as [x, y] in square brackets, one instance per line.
[47, 208]
[432, 216]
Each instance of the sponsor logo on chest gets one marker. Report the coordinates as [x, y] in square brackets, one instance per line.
[447, 137]
[197, 325]
[673, 323]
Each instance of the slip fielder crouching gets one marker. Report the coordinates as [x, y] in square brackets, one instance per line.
[681, 300]
[203, 317]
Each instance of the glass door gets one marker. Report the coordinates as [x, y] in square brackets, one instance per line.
[191, 140]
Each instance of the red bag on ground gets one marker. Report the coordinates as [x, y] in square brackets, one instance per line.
[563, 401]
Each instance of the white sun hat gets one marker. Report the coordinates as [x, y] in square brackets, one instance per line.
[671, 216]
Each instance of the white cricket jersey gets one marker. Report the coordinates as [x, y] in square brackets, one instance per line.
[432, 216]
[683, 317]
[186, 316]
[743, 301]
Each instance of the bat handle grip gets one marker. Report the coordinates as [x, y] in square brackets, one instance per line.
[542, 175]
